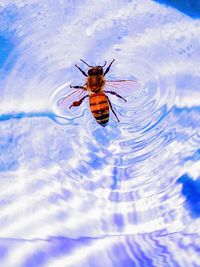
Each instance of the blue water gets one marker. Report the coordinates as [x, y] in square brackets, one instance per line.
[74, 193]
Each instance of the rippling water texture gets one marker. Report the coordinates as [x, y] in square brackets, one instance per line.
[73, 193]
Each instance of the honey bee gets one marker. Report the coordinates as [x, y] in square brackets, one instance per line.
[96, 89]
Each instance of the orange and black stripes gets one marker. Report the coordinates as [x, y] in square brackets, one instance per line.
[99, 107]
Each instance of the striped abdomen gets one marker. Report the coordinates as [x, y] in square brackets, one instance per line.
[99, 107]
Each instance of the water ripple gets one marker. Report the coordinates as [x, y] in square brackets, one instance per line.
[60, 166]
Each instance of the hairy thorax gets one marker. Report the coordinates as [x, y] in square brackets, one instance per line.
[95, 83]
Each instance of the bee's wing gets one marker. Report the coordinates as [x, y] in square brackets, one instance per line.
[125, 88]
[67, 100]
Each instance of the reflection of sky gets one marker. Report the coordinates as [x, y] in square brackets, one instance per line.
[7, 36]
[6, 48]
[189, 7]
[155, 249]
[191, 191]
[40, 220]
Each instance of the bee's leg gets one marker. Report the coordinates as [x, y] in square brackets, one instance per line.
[77, 87]
[113, 110]
[108, 68]
[78, 103]
[83, 72]
[113, 93]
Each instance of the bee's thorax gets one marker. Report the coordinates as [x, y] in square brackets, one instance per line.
[95, 83]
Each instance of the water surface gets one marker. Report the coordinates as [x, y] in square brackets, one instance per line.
[74, 193]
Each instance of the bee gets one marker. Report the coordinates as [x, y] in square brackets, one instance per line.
[95, 89]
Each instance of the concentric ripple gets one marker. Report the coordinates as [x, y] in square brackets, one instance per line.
[115, 163]
[62, 165]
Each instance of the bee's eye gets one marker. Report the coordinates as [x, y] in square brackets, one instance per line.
[100, 70]
[95, 71]
[89, 72]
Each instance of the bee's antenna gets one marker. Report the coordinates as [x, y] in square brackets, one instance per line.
[104, 64]
[86, 63]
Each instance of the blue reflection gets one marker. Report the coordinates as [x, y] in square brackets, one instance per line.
[191, 191]
[189, 7]
[122, 258]
[21, 115]
[195, 156]
[8, 39]
[6, 46]
[37, 259]
[55, 247]
[3, 252]
[118, 220]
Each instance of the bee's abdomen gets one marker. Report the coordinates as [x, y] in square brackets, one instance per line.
[100, 108]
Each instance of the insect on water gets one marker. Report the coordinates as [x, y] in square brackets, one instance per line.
[97, 88]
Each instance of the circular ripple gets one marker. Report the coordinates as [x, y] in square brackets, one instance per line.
[122, 172]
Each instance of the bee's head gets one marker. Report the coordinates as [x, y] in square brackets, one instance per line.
[94, 70]
[97, 70]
